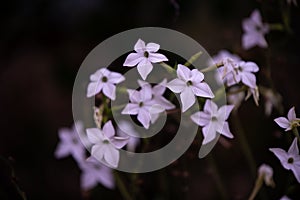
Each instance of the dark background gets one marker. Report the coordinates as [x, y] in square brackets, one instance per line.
[42, 45]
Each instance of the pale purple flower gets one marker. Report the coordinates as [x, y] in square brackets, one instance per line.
[93, 172]
[106, 144]
[290, 122]
[254, 31]
[144, 57]
[289, 160]
[70, 142]
[104, 80]
[142, 105]
[242, 72]
[266, 172]
[190, 83]
[285, 198]
[125, 129]
[213, 120]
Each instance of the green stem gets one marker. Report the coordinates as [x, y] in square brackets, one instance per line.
[193, 58]
[276, 27]
[124, 192]
[296, 133]
[167, 67]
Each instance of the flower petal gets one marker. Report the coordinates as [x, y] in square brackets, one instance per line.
[140, 46]
[130, 109]
[225, 130]
[291, 114]
[210, 107]
[144, 117]
[98, 151]
[108, 129]
[109, 90]
[187, 98]
[94, 88]
[152, 47]
[202, 90]
[144, 68]
[209, 133]
[282, 122]
[282, 156]
[112, 156]
[133, 59]
[196, 76]
[115, 78]
[225, 111]
[294, 147]
[201, 118]
[119, 142]
[183, 72]
[176, 85]
[157, 57]
[94, 135]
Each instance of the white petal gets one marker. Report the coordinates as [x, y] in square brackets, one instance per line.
[134, 96]
[249, 40]
[292, 114]
[62, 150]
[156, 108]
[98, 151]
[146, 93]
[94, 135]
[160, 88]
[152, 47]
[157, 57]
[131, 109]
[167, 105]
[119, 142]
[294, 147]
[176, 85]
[106, 177]
[112, 156]
[249, 79]
[187, 98]
[210, 107]
[282, 122]
[115, 78]
[282, 156]
[201, 118]
[109, 90]
[144, 68]
[94, 88]
[209, 133]
[133, 59]
[225, 130]
[202, 90]
[196, 76]
[256, 17]
[108, 129]
[296, 170]
[87, 180]
[225, 111]
[139, 46]
[249, 66]
[144, 117]
[183, 72]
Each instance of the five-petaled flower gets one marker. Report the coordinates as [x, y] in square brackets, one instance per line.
[289, 160]
[104, 80]
[106, 144]
[142, 105]
[70, 142]
[144, 57]
[189, 84]
[255, 31]
[93, 172]
[213, 120]
[290, 122]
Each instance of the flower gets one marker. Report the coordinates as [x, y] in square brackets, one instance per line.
[285, 198]
[142, 105]
[106, 144]
[242, 72]
[70, 142]
[104, 80]
[266, 172]
[213, 120]
[289, 160]
[144, 57]
[255, 31]
[94, 172]
[190, 84]
[253, 92]
[124, 128]
[290, 122]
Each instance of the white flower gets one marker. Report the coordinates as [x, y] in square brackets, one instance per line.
[70, 142]
[142, 105]
[106, 144]
[93, 172]
[104, 80]
[190, 84]
[144, 57]
[289, 160]
[266, 172]
[255, 31]
[290, 122]
[213, 120]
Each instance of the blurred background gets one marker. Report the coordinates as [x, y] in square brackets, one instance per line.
[42, 45]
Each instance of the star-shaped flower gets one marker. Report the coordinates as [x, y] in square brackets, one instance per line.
[104, 80]
[289, 160]
[190, 84]
[255, 31]
[142, 105]
[290, 122]
[70, 142]
[213, 120]
[106, 144]
[93, 172]
[144, 57]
